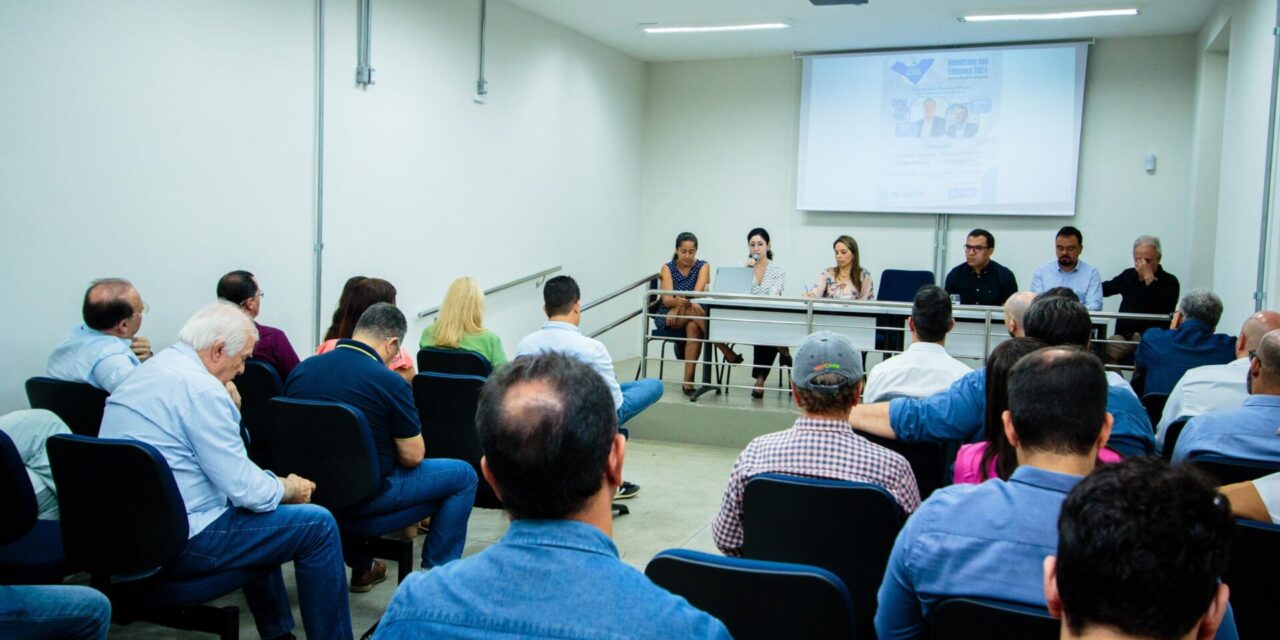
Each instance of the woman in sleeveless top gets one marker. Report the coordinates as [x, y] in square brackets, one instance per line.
[847, 280]
[686, 272]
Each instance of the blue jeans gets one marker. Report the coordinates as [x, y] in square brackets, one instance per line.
[638, 396]
[452, 483]
[54, 612]
[304, 533]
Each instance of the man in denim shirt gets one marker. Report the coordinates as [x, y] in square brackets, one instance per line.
[553, 454]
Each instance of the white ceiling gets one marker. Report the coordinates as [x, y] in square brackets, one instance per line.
[880, 23]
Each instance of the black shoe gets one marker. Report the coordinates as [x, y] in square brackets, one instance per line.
[784, 361]
[627, 490]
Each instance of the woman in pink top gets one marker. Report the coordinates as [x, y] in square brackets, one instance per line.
[358, 296]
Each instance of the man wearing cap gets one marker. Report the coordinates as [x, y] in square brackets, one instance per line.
[826, 382]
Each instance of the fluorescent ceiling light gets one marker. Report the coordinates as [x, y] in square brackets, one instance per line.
[1060, 15]
[725, 27]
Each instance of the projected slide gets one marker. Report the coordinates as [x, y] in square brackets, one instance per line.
[982, 131]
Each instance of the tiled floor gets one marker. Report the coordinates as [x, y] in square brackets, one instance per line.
[682, 485]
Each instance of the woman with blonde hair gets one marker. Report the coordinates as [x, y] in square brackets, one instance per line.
[460, 324]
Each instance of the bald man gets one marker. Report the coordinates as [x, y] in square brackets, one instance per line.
[1247, 432]
[1015, 309]
[1217, 386]
[105, 349]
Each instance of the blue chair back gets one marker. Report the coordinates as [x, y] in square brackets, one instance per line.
[1231, 470]
[847, 528]
[1251, 574]
[79, 405]
[120, 509]
[900, 285]
[447, 405]
[328, 443]
[257, 385]
[17, 497]
[977, 618]
[455, 361]
[758, 599]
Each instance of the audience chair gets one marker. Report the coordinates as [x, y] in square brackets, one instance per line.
[666, 336]
[455, 361]
[329, 443]
[257, 385]
[1251, 574]
[447, 404]
[1171, 438]
[757, 599]
[1231, 470]
[897, 285]
[79, 405]
[977, 619]
[847, 528]
[1154, 403]
[122, 515]
[30, 549]
[929, 461]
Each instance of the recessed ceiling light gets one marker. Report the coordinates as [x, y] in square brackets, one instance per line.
[650, 28]
[1060, 15]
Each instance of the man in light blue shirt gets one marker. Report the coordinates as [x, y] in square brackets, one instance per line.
[957, 414]
[552, 452]
[1251, 432]
[563, 306]
[1069, 271]
[182, 403]
[990, 540]
[105, 349]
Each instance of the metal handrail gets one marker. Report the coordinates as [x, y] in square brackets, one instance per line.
[502, 287]
[616, 323]
[607, 297]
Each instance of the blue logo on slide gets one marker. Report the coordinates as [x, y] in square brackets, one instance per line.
[913, 72]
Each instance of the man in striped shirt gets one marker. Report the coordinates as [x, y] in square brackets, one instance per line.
[826, 383]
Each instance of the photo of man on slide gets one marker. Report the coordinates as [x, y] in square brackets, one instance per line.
[929, 126]
[961, 127]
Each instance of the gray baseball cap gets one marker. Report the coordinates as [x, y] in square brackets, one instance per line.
[826, 352]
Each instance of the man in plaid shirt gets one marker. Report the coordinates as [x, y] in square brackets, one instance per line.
[826, 382]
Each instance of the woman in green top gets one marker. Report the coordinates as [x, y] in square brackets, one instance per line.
[460, 324]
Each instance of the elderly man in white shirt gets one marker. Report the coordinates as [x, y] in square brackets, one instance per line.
[925, 367]
[1217, 386]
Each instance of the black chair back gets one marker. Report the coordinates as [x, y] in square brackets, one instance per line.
[975, 619]
[455, 361]
[847, 528]
[1154, 403]
[257, 385]
[1251, 574]
[929, 461]
[328, 443]
[756, 599]
[79, 405]
[120, 510]
[1171, 438]
[17, 498]
[1231, 470]
[447, 406]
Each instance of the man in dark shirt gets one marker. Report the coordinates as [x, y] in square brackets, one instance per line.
[241, 288]
[1144, 288]
[981, 280]
[355, 373]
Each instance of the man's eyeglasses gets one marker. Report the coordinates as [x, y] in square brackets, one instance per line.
[146, 308]
[974, 248]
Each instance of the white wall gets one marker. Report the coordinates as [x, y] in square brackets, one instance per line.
[172, 141]
[720, 145]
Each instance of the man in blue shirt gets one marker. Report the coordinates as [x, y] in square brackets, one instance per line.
[1068, 270]
[957, 414]
[1142, 547]
[355, 374]
[1251, 432]
[563, 306]
[238, 516]
[1165, 354]
[105, 349]
[553, 453]
[990, 540]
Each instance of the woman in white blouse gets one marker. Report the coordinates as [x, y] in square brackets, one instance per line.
[769, 280]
